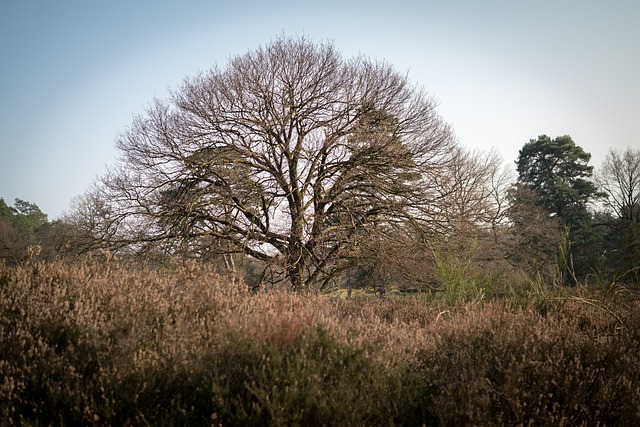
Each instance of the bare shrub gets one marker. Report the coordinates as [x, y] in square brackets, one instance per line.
[103, 343]
[514, 368]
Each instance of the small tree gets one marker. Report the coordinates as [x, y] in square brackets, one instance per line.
[290, 154]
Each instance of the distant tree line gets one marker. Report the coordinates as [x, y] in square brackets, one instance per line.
[298, 168]
[25, 231]
[553, 219]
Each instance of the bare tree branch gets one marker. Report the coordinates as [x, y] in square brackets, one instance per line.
[290, 153]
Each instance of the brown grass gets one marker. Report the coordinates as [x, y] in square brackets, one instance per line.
[90, 343]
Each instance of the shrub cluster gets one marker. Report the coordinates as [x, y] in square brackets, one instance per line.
[92, 344]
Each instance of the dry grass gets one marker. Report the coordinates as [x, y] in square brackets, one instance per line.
[107, 345]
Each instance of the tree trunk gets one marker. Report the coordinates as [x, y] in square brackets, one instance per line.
[295, 266]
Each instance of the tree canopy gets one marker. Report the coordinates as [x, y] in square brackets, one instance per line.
[20, 226]
[558, 171]
[290, 154]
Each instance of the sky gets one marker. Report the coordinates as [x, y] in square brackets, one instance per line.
[74, 73]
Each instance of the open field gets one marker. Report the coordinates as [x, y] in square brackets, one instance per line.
[100, 344]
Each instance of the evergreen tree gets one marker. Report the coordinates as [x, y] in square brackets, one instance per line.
[557, 173]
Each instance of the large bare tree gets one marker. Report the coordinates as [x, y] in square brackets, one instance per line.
[290, 154]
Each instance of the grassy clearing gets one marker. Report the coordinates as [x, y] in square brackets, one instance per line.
[106, 345]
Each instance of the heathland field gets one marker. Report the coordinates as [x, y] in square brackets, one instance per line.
[104, 344]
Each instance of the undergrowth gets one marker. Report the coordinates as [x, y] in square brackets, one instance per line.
[89, 344]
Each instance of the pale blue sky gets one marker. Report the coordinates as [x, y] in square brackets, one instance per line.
[74, 73]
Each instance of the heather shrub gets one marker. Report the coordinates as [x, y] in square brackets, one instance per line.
[569, 367]
[108, 344]
[88, 343]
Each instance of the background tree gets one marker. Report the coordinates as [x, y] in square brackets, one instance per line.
[466, 224]
[20, 225]
[24, 225]
[12, 242]
[28, 217]
[535, 233]
[472, 193]
[291, 154]
[93, 221]
[558, 171]
[619, 179]
[555, 174]
[473, 209]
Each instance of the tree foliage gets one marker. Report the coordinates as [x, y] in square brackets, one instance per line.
[290, 154]
[558, 171]
[550, 205]
[25, 231]
[20, 226]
